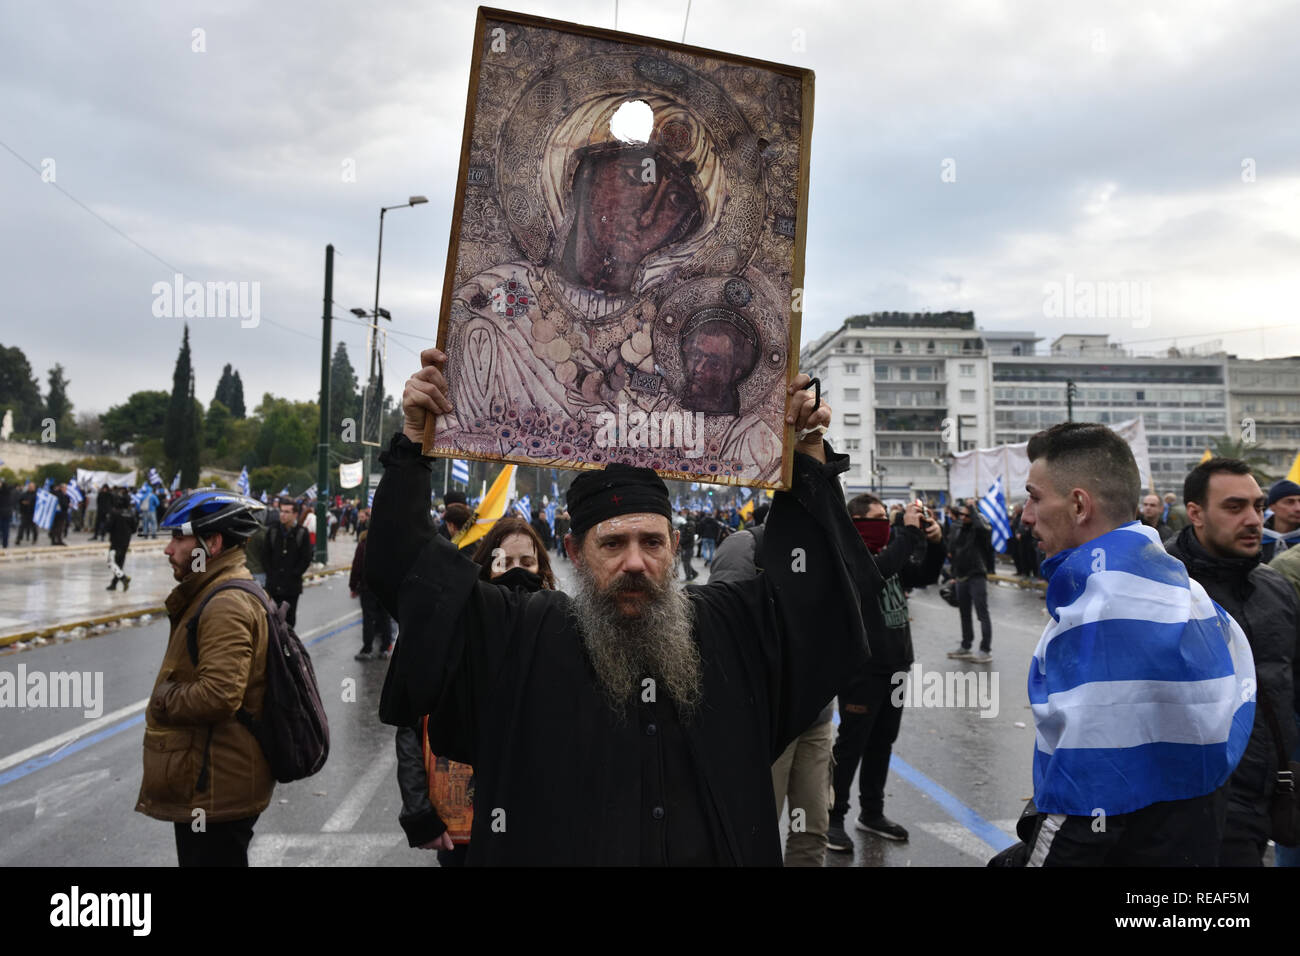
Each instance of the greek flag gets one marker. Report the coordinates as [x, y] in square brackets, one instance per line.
[264, 498]
[1142, 688]
[176, 481]
[154, 477]
[524, 507]
[460, 471]
[370, 502]
[141, 494]
[284, 491]
[993, 506]
[242, 484]
[43, 514]
[75, 497]
[550, 516]
[555, 489]
[1282, 541]
[310, 492]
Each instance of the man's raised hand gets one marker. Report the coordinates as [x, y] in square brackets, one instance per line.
[799, 413]
[425, 392]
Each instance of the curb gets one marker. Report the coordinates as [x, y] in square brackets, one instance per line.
[1036, 584]
[52, 629]
[18, 553]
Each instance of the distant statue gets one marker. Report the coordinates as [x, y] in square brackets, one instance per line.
[7, 426]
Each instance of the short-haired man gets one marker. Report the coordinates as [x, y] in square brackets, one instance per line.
[1151, 512]
[970, 543]
[1221, 549]
[1282, 527]
[635, 722]
[286, 556]
[1141, 687]
[203, 769]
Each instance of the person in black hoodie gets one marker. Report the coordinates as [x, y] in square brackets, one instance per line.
[908, 556]
[970, 545]
[286, 556]
[1221, 549]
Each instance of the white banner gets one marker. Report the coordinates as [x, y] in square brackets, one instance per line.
[349, 474]
[973, 471]
[94, 480]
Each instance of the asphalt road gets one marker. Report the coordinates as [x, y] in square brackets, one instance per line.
[68, 781]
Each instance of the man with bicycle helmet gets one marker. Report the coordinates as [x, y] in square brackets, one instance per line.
[203, 770]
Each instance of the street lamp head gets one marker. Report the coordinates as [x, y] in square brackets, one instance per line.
[416, 200]
[359, 313]
[385, 314]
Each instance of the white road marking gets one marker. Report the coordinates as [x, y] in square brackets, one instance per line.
[349, 811]
[60, 741]
[321, 849]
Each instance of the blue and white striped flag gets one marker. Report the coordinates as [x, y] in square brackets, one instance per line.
[75, 497]
[310, 492]
[154, 477]
[242, 484]
[993, 506]
[370, 502]
[141, 494]
[264, 497]
[176, 481]
[43, 514]
[284, 491]
[555, 489]
[1142, 688]
[550, 515]
[525, 508]
[460, 471]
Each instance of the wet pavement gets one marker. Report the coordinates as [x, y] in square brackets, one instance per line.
[68, 781]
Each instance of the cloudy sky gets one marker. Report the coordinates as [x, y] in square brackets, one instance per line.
[965, 155]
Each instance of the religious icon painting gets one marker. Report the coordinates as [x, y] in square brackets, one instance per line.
[626, 258]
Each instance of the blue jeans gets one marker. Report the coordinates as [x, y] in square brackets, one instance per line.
[148, 523]
[706, 549]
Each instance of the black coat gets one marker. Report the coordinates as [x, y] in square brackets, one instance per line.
[1263, 602]
[286, 556]
[122, 523]
[908, 561]
[970, 546]
[509, 689]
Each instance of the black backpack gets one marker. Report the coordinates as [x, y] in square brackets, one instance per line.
[293, 731]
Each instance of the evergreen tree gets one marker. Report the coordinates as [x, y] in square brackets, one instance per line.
[345, 400]
[236, 402]
[19, 390]
[230, 392]
[180, 433]
[59, 407]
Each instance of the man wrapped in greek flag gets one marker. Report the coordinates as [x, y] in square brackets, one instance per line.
[1142, 687]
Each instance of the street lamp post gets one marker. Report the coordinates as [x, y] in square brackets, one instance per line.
[373, 388]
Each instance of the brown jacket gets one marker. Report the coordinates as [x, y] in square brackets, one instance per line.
[190, 702]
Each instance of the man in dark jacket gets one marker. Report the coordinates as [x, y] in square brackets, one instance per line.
[6, 511]
[26, 513]
[970, 542]
[1151, 510]
[376, 625]
[543, 529]
[122, 522]
[1221, 550]
[707, 529]
[103, 512]
[286, 556]
[910, 557]
[687, 547]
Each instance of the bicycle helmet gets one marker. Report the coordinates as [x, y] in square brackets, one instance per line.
[209, 511]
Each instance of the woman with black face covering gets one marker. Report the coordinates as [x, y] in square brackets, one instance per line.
[512, 556]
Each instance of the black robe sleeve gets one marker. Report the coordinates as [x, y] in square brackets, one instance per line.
[454, 629]
[799, 626]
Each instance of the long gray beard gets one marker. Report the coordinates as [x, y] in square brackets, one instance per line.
[656, 644]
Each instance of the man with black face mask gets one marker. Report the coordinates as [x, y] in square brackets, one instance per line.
[909, 556]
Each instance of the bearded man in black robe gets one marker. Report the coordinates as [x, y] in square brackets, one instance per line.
[633, 723]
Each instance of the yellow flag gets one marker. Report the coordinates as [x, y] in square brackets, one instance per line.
[1206, 457]
[1294, 473]
[747, 510]
[489, 510]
